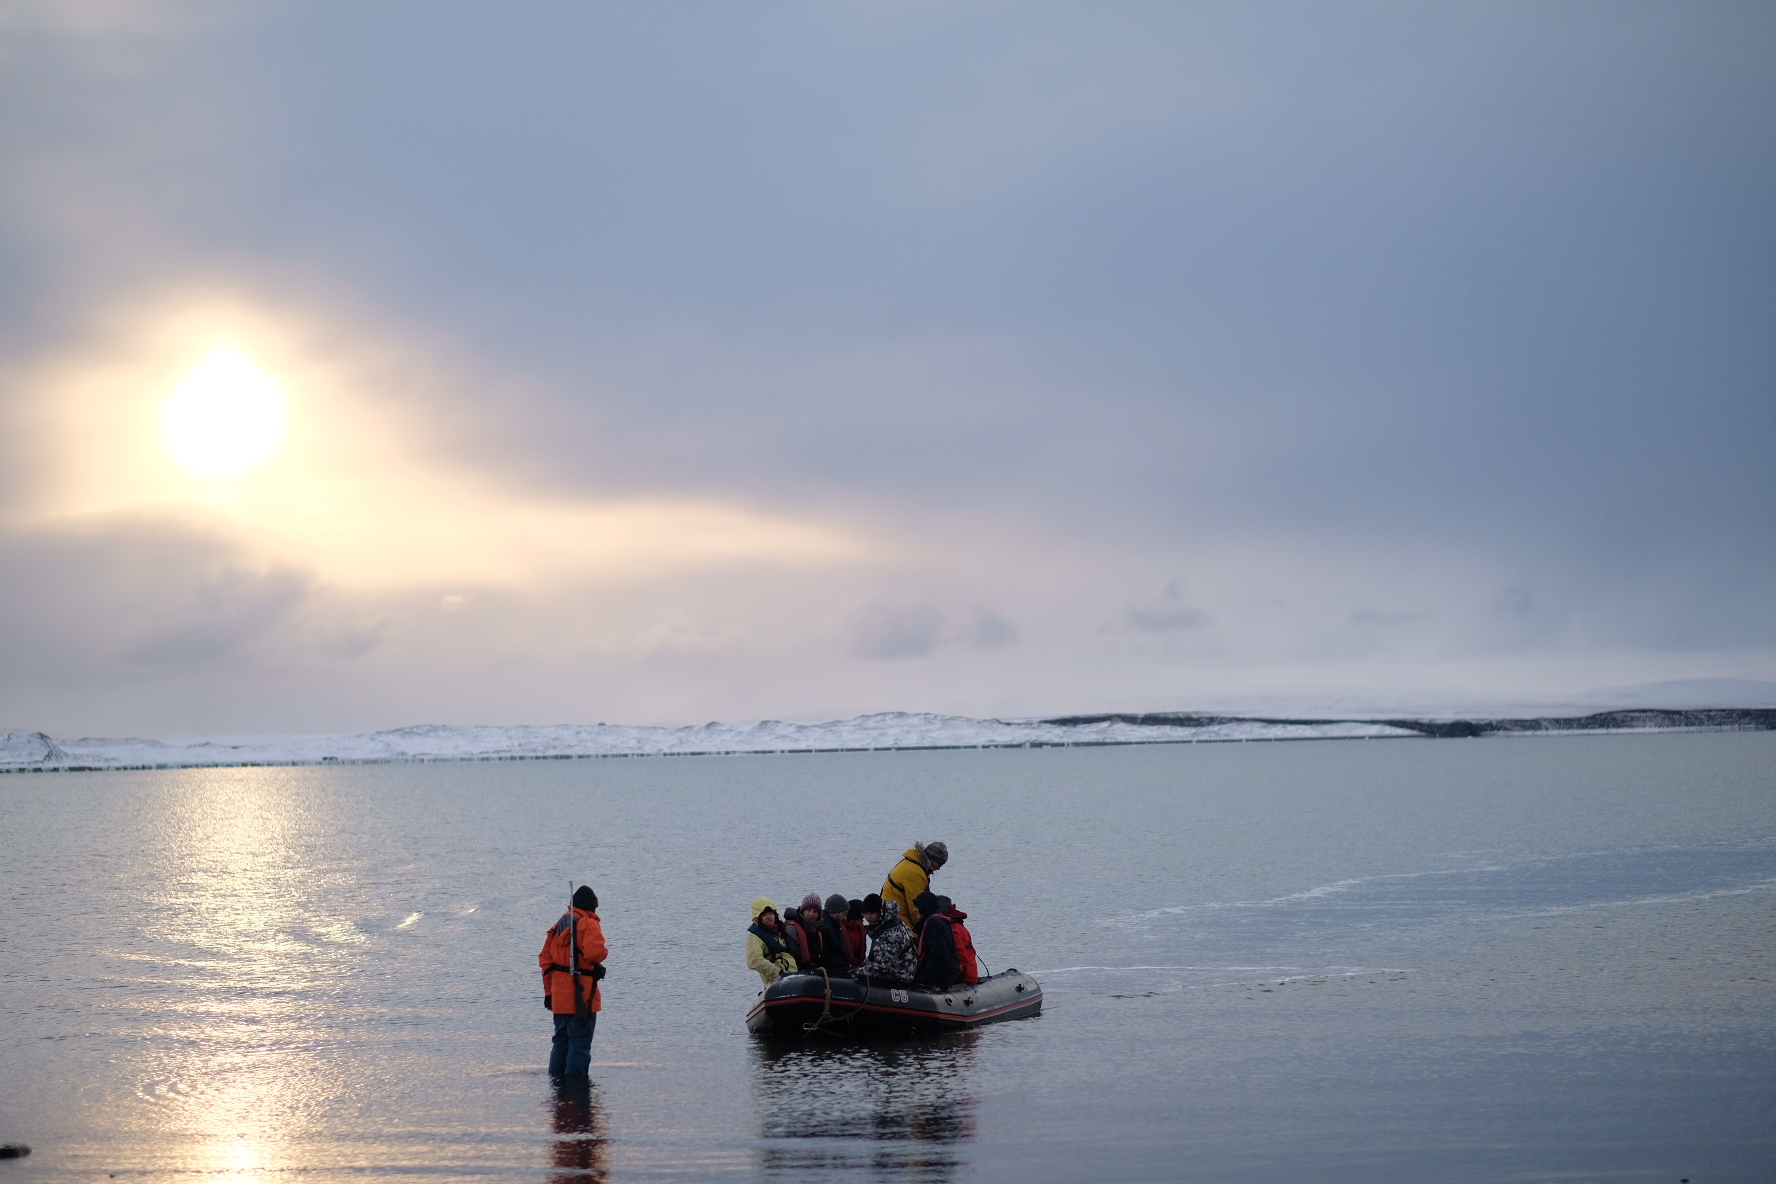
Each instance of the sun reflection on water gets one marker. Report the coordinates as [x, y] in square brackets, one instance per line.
[240, 1161]
[237, 944]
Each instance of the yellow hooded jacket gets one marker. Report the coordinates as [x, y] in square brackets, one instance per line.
[909, 878]
[769, 969]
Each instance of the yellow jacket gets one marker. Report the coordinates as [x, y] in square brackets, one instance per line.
[770, 969]
[905, 882]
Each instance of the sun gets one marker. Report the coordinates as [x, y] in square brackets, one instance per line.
[225, 419]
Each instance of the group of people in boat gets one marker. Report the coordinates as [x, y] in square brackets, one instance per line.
[903, 935]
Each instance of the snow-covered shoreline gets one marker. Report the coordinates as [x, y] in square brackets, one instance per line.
[36, 752]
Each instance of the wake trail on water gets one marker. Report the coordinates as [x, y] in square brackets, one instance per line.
[1138, 981]
[1531, 886]
[1319, 893]
[1680, 898]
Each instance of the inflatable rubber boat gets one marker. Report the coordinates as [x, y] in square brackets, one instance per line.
[800, 1003]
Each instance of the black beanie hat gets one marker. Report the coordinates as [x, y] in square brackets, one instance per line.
[585, 898]
[854, 910]
[872, 903]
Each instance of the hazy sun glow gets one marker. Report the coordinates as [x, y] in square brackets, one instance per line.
[356, 489]
[225, 419]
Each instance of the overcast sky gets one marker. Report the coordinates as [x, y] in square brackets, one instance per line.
[671, 362]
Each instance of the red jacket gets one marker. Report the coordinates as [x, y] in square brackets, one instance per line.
[964, 945]
[557, 978]
[854, 938]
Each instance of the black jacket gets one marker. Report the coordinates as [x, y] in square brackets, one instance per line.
[938, 964]
[834, 952]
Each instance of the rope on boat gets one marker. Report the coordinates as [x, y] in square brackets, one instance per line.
[826, 1015]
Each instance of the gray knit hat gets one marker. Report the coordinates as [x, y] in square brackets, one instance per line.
[837, 904]
[939, 854]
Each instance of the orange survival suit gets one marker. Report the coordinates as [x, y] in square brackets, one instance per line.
[558, 983]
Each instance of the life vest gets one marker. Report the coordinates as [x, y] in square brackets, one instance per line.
[854, 939]
[799, 945]
[964, 946]
[773, 946]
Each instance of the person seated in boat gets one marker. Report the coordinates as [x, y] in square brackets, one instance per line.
[938, 964]
[894, 952]
[765, 949]
[872, 915]
[796, 938]
[965, 956]
[855, 937]
[803, 925]
[872, 919]
[835, 943]
[911, 876]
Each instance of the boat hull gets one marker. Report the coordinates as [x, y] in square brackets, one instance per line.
[797, 1004]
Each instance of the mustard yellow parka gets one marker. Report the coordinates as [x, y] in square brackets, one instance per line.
[910, 877]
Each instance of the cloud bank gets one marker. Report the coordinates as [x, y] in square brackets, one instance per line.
[684, 363]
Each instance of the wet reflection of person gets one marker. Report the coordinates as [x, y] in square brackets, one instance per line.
[580, 1153]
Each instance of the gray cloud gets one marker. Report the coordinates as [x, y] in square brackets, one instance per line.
[76, 597]
[889, 627]
[224, 614]
[1386, 619]
[351, 636]
[988, 630]
[1516, 601]
[886, 629]
[1167, 612]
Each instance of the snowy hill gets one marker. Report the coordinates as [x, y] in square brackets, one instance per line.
[34, 751]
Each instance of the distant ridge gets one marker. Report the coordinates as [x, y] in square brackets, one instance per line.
[1713, 719]
[894, 731]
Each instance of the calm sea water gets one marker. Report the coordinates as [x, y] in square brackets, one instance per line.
[1464, 960]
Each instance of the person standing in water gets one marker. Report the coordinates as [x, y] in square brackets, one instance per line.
[911, 876]
[574, 943]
